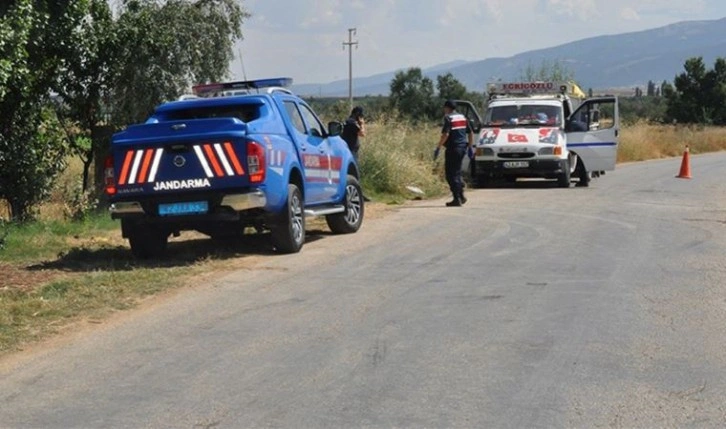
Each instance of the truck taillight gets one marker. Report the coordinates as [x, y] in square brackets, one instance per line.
[109, 176]
[256, 162]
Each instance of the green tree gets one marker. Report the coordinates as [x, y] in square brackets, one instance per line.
[449, 87]
[698, 95]
[32, 150]
[164, 48]
[714, 92]
[83, 86]
[412, 94]
[650, 91]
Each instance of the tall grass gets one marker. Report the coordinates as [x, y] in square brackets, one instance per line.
[397, 154]
[642, 141]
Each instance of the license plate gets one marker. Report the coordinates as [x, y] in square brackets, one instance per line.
[176, 209]
[516, 164]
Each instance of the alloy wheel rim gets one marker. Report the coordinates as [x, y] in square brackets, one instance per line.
[297, 218]
[353, 204]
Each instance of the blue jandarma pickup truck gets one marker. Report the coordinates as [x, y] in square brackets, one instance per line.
[233, 157]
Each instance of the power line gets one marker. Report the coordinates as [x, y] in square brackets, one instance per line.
[349, 44]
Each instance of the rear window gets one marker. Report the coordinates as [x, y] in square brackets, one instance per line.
[243, 112]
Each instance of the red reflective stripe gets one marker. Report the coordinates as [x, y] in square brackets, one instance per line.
[215, 164]
[336, 162]
[232, 156]
[323, 162]
[145, 166]
[458, 123]
[125, 167]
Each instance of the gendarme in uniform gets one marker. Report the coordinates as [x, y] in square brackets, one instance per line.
[457, 134]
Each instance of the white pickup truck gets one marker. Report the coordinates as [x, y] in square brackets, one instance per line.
[542, 129]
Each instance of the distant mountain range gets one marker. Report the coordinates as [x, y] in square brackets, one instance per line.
[614, 61]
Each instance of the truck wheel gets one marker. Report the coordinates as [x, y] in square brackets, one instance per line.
[288, 230]
[563, 179]
[476, 180]
[582, 174]
[146, 243]
[351, 219]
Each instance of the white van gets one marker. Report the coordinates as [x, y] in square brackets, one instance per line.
[542, 129]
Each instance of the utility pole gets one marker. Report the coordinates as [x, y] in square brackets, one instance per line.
[349, 44]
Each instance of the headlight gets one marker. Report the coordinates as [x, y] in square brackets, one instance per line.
[546, 151]
[484, 151]
[550, 150]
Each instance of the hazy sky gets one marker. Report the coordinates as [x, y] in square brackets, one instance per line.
[303, 38]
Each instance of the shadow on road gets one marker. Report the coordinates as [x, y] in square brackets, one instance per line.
[520, 184]
[180, 252]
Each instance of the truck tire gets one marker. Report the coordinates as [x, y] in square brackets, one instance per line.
[288, 229]
[582, 174]
[563, 179]
[477, 180]
[147, 243]
[351, 219]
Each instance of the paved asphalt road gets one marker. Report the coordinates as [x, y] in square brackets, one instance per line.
[530, 307]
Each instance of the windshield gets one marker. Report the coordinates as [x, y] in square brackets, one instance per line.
[517, 115]
[243, 112]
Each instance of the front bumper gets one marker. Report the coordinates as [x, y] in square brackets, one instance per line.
[254, 199]
[547, 168]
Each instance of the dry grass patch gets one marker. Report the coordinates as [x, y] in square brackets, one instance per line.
[643, 141]
[395, 155]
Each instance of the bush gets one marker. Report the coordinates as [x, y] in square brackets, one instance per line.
[30, 159]
[77, 203]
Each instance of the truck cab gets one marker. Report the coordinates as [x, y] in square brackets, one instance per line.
[542, 130]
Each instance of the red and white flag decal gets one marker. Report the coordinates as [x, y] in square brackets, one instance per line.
[517, 138]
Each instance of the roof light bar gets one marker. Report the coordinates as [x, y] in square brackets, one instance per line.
[213, 88]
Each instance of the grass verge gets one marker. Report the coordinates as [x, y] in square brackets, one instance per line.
[54, 273]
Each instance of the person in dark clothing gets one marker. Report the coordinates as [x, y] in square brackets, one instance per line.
[458, 138]
[353, 129]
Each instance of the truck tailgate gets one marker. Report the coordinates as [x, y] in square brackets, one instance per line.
[181, 155]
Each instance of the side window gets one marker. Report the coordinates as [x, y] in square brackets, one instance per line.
[316, 128]
[598, 115]
[294, 114]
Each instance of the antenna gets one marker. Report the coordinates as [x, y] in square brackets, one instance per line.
[244, 74]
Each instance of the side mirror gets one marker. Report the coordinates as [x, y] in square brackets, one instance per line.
[335, 129]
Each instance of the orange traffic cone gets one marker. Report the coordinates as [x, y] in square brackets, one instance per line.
[685, 172]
